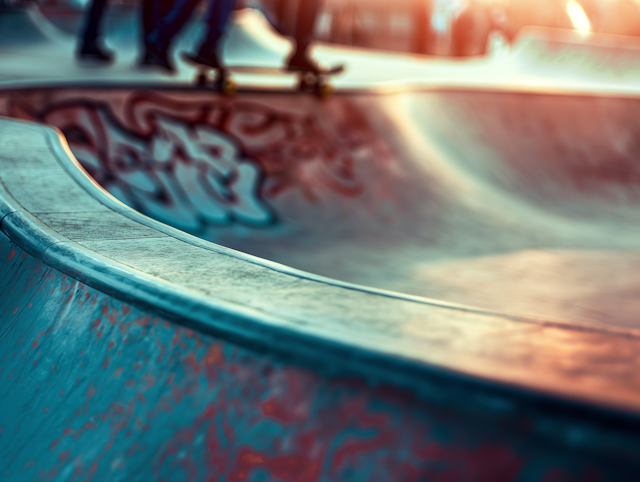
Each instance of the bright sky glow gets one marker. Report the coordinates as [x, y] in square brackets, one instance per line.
[578, 17]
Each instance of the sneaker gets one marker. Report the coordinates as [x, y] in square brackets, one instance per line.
[94, 51]
[155, 57]
[210, 59]
[304, 64]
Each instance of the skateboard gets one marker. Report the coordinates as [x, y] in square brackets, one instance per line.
[221, 79]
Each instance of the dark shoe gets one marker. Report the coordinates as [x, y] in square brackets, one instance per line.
[303, 63]
[210, 59]
[156, 57]
[94, 51]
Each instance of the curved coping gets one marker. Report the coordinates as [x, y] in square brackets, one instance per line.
[449, 354]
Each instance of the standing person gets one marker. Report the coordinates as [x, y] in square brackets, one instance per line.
[91, 47]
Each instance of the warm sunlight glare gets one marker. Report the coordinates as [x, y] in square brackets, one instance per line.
[578, 17]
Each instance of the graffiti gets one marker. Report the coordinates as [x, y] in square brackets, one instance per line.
[196, 163]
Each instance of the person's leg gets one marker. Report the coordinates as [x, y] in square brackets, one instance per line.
[217, 20]
[153, 11]
[149, 16]
[163, 7]
[305, 25]
[165, 20]
[173, 19]
[90, 47]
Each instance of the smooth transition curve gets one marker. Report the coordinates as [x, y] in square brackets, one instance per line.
[516, 203]
[131, 351]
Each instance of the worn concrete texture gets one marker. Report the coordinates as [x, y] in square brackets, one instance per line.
[95, 389]
[518, 389]
[515, 203]
[491, 233]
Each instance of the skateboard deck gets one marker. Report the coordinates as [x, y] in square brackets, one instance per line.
[307, 80]
[253, 70]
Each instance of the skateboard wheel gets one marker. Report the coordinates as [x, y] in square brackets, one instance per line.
[325, 90]
[307, 81]
[229, 87]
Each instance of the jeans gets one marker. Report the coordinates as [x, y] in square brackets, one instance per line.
[92, 21]
[307, 13]
[216, 18]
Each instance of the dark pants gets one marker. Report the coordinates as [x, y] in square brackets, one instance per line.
[217, 18]
[305, 23]
[152, 12]
[170, 24]
[92, 21]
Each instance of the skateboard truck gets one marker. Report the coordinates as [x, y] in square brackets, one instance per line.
[221, 80]
[315, 82]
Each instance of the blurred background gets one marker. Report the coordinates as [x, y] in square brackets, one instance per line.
[457, 28]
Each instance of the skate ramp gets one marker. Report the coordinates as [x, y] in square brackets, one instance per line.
[438, 283]
[27, 27]
[120, 334]
[519, 204]
[590, 58]
[130, 327]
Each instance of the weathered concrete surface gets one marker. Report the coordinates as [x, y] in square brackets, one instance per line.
[131, 351]
[150, 357]
[95, 389]
[523, 204]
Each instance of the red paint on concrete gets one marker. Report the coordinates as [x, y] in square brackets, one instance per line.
[215, 405]
[289, 468]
